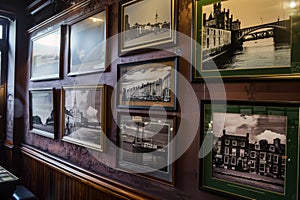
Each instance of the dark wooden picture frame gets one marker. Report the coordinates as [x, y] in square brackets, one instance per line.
[84, 115]
[46, 55]
[254, 149]
[146, 24]
[145, 84]
[43, 112]
[144, 146]
[234, 43]
[87, 43]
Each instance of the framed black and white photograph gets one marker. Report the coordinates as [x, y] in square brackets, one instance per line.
[88, 44]
[84, 116]
[148, 84]
[249, 39]
[144, 146]
[254, 151]
[45, 56]
[43, 117]
[147, 24]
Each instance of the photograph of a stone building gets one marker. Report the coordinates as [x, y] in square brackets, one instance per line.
[250, 150]
[233, 40]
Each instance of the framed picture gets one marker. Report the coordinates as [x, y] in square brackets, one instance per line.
[45, 56]
[254, 149]
[146, 24]
[144, 146]
[84, 116]
[88, 44]
[43, 112]
[233, 42]
[148, 84]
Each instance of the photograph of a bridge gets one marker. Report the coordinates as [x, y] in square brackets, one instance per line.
[235, 37]
[245, 39]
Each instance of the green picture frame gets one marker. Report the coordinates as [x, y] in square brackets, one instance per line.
[252, 149]
[231, 42]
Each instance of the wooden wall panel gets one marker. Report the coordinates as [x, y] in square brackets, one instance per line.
[51, 179]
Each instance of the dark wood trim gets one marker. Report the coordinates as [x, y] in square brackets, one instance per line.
[91, 179]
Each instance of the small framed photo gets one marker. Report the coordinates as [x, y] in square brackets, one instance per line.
[46, 56]
[84, 116]
[43, 112]
[232, 42]
[253, 149]
[87, 44]
[147, 24]
[145, 146]
[148, 84]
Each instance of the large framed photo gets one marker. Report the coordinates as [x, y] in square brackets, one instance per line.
[43, 112]
[148, 84]
[233, 42]
[84, 116]
[145, 146]
[88, 44]
[46, 56]
[253, 149]
[146, 24]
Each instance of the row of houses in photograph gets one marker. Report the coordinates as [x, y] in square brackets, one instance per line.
[235, 152]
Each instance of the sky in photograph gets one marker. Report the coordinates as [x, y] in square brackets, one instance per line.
[137, 76]
[42, 105]
[144, 11]
[258, 126]
[254, 12]
[84, 102]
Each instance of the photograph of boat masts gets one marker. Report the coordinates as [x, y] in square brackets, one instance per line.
[248, 34]
[148, 139]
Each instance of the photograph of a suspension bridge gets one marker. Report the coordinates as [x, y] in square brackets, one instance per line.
[252, 34]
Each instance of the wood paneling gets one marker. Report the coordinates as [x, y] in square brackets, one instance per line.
[51, 178]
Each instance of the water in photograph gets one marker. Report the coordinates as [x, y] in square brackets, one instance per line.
[260, 53]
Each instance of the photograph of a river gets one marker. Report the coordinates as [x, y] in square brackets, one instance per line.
[261, 53]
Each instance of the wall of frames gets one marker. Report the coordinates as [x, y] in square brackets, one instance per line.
[134, 92]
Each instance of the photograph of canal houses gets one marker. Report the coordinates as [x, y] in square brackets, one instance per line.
[250, 150]
[146, 23]
[245, 35]
[148, 83]
[84, 115]
[144, 144]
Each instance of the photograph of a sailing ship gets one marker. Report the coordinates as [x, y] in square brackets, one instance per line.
[250, 149]
[42, 112]
[144, 144]
[148, 83]
[84, 115]
[146, 23]
[245, 35]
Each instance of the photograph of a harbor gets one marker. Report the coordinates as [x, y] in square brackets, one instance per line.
[83, 115]
[250, 150]
[244, 35]
[147, 21]
[42, 111]
[148, 139]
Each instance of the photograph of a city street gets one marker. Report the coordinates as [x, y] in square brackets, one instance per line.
[148, 82]
[146, 22]
[250, 150]
[244, 35]
[83, 115]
